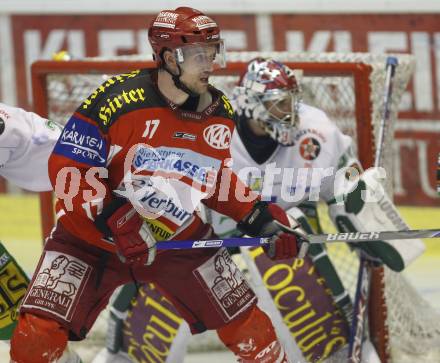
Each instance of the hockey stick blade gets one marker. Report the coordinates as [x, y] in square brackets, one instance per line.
[354, 237]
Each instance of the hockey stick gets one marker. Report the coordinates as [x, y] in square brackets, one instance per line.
[354, 237]
[391, 65]
[364, 277]
[360, 307]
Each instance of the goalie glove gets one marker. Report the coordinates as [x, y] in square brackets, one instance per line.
[367, 207]
[288, 239]
[134, 241]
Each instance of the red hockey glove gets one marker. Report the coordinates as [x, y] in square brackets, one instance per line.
[134, 241]
[288, 239]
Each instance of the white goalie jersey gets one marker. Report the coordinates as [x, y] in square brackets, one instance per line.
[315, 168]
[26, 141]
[293, 174]
[302, 171]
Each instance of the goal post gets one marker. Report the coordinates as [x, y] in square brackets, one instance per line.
[349, 88]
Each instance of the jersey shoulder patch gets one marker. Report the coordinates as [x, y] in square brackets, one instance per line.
[225, 108]
[119, 95]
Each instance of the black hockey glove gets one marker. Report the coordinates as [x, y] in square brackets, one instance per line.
[269, 220]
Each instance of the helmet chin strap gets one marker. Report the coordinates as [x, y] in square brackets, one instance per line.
[179, 84]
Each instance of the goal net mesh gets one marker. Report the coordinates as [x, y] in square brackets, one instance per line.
[349, 88]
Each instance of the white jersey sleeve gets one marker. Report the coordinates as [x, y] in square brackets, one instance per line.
[26, 142]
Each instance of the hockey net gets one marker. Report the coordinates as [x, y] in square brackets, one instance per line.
[349, 88]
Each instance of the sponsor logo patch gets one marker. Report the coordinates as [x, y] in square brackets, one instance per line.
[310, 148]
[158, 199]
[110, 82]
[184, 135]
[82, 142]
[118, 102]
[270, 353]
[212, 243]
[226, 284]
[316, 133]
[160, 231]
[166, 19]
[217, 136]
[204, 22]
[58, 284]
[247, 346]
[198, 167]
[353, 236]
[154, 201]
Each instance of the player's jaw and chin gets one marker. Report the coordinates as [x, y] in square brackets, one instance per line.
[196, 76]
[197, 83]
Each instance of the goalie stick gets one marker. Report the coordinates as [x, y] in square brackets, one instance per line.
[353, 237]
[365, 266]
[391, 65]
[360, 307]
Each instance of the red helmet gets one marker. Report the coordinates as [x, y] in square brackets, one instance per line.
[181, 27]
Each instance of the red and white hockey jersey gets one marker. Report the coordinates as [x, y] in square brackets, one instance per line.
[127, 139]
[26, 141]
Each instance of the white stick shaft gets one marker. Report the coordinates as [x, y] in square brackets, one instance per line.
[355, 237]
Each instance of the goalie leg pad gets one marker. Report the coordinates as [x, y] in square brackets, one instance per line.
[37, 340]
[368, 208]
[252, 338]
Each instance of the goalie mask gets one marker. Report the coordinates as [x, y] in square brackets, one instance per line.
[269, 93]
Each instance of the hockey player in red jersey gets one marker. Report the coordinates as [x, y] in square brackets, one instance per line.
[131, 167]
